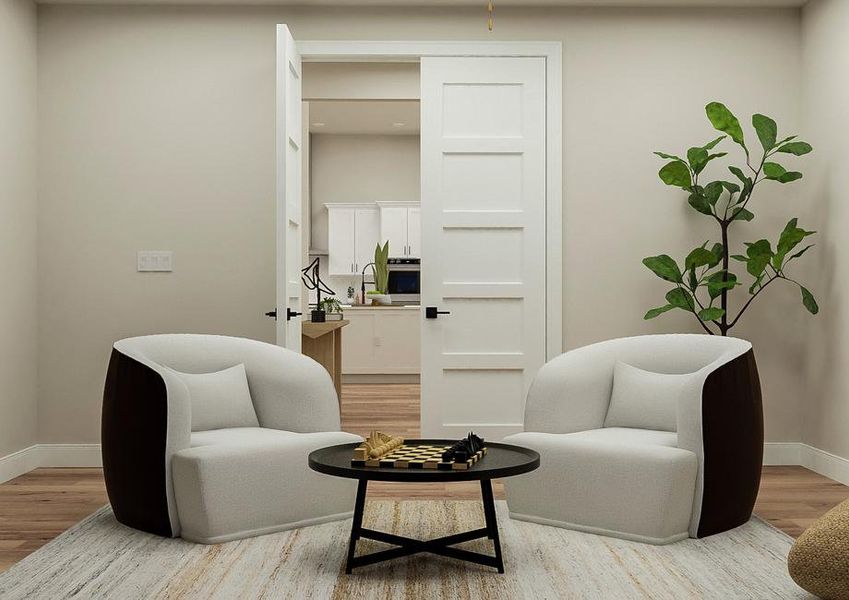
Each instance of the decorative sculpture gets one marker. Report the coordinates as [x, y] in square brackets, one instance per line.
[311, 279]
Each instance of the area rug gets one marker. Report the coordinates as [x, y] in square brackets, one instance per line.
[99, 558]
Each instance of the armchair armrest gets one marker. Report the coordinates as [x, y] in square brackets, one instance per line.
[291, 391]
[571, 392]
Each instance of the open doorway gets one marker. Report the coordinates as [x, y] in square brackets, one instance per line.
[490, 217]
[362, 186]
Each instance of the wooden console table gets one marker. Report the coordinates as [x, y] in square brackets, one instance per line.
[323, 343]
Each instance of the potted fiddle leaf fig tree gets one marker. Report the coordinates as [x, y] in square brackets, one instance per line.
[703, 282]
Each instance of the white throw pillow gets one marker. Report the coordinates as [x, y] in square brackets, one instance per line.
[643, 399]
[221, 399]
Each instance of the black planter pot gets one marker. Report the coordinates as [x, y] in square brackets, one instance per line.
[318, 316]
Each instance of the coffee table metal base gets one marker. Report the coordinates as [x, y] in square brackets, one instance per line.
[441, 546]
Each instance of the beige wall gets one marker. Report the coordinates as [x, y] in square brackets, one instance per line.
[825, 403]
[158, 132]
[18, 219]
[361, 168]
[360, 81]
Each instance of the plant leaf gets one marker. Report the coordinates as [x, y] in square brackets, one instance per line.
[676, 173]
[717, 251]
[759, 255]
[698, 158]
[711, 144]
[773, 170]
[724, 120]
[766, 129]
[665, 267]
[715, 284]
[712, 313]
[799, 253]
[790, 237]
[790, 176]
[740, 257]
[738, 172]
[699, 257]
[680, 298]
[698, 201]
[787, 139]
[809, 301]
[669, 156]
[797, 148]
[656, 312]
[712, 192]
[742, 214]
[732, 188]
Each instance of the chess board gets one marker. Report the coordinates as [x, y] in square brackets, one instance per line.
[418, 456]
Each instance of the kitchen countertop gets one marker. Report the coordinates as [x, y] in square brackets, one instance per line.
[393, 307]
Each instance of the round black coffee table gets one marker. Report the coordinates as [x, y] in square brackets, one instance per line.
[501, 460]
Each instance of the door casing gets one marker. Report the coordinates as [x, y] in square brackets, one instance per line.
[404, 51]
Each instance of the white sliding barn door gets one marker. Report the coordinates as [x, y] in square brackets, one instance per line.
[289, 255]
[483, 227]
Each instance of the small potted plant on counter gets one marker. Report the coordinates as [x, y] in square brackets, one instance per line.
[381, 276]
[331, 308]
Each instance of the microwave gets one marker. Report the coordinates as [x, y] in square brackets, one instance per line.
[405, 280]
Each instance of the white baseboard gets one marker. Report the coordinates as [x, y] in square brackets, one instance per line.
[782, 453]
[17, 463]
[819, 461]
[49, 455]
[70, 455]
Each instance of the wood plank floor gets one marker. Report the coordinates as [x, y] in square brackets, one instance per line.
[36, 507]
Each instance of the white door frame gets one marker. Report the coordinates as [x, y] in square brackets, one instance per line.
[397, 51]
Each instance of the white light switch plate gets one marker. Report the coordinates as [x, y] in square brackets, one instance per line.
[155, 260]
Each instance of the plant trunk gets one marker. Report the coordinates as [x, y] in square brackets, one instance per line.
[723, 323]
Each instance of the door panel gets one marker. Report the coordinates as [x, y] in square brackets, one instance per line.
[289, 256]
[483, 240]
[367, 234]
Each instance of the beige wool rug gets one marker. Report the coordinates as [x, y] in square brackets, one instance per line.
[99, 558]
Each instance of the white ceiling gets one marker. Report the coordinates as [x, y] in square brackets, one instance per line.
[372, 117]
[498, 3]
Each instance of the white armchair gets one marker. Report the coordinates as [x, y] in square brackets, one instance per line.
[229, 482]
[644, 470]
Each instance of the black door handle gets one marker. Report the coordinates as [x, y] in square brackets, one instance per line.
[432, 312]
[289, 314]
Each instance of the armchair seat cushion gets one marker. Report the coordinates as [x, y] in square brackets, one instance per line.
[627, 435]
[244, 481]
[631, 483]
[240, 436]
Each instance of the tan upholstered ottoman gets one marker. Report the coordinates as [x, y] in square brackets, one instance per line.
[819, 560]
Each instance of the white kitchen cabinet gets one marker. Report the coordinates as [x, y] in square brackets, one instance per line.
[382, 341]
[400, 223]
[414, 232]
[352, 234]
[393, 228]
[366, 236]
[340, 241]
